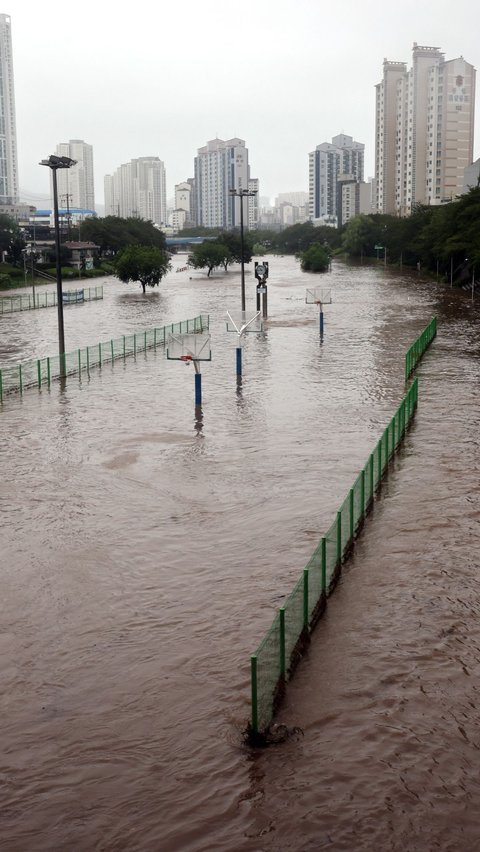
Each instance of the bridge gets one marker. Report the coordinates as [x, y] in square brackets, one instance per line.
[186, 241]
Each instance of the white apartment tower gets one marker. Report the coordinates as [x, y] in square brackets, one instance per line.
[341, 159]
[138, 189]
[8, 132]
[424, 130]
[220, 166]
[76, 185]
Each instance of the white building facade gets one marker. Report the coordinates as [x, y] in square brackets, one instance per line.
[138, 189]
[220, 166]
[8, 131]
[327, 163]
[76, 187]
[423, 130]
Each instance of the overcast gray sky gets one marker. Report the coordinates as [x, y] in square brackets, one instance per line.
[161, 78]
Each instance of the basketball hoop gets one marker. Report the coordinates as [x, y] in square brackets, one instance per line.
[187, 359]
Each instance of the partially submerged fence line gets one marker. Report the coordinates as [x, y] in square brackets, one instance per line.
[281, 648]
[44, 370]
[418, 348]
[11, 304]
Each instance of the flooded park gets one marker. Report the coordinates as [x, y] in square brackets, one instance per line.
[146, 546]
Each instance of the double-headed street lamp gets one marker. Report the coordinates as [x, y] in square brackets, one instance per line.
[241, 194]
[55, 162]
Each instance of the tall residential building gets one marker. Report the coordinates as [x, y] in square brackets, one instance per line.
[220, 166]
[76, 185]
[138, 189]
[8, 133]
[343, 157]
[423, 130]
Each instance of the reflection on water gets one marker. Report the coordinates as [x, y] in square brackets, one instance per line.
[141, 566]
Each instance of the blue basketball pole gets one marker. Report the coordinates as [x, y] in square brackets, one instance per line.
[239, 360]
[198, 388]
[321, 321]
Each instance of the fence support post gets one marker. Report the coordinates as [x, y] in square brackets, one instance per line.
[253, 677]
[305, 598]
[39, 373]
[339, 538]
[283, 662]
[362, 494]
[324, 564]
[350, 509]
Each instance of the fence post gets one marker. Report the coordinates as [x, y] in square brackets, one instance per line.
[39, 373]
[253, 676]
[372, 478]
[48, 371]
[324, 564]
[154, 338]
[100, 354]
[362, 493]
[111, 348]
[134, 345]
[20, 378]
[339, 537]
[379, 460]
[283, 665]
[350, 508]
[124, 346]
[145, 341]
[79, 362]
[387, 454]
[394, 443]
[305, 598]
[88, 361]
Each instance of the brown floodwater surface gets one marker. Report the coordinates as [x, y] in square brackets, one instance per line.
[146, 546]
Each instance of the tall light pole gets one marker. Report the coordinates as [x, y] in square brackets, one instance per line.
[241, 194]
[54, 162]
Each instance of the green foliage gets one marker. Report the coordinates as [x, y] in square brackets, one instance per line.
[298, 238]
[11, 238]
[147, 264]
[435, 237]
[315, 259]
[113, 234]
[209, 255]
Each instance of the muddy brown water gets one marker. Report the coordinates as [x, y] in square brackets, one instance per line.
[145, 549]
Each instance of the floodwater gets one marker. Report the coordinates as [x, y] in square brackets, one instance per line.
[145, 547]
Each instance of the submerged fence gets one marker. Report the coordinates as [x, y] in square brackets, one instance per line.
[419, 347]
[11, 304]
[281, 648]
[44, 370]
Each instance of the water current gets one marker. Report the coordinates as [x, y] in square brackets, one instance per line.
[145, 548]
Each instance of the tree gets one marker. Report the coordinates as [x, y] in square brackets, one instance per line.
[112, 233]
[146, 264]
[11, 238]
[208, 255]
[315, 259]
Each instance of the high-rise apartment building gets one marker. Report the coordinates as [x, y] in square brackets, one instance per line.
[220, 166]
[423, 130]
[8, 132]
[342, 158]
[76, 185]
[138, 188]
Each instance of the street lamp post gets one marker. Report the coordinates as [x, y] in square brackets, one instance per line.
[54, 162]
[241, 194]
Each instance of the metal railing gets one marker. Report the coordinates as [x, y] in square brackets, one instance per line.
[419, 347]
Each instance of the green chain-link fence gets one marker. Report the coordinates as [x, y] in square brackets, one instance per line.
[280, 650]
[11, 304]
[419, 347]
[44, 370]
[278, 653]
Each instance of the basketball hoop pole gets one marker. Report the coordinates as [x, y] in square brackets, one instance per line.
[321, 317]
